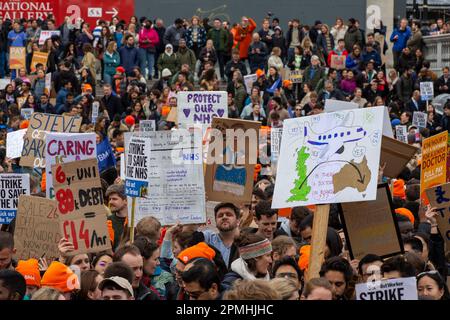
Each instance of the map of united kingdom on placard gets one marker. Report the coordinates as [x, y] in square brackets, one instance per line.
[329, 158]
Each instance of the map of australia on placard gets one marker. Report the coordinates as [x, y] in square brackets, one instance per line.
[352, 175]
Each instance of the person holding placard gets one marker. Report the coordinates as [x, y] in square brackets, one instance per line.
[117, 222]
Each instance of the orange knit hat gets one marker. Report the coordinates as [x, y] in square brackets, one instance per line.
[60, 277]
[259, 73]
[399, 189]
[287, 83]
[30, 271]
[303, 261]
[200, 250]
[407, 213]
[24, 124]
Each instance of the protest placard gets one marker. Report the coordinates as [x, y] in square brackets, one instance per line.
[45, 34]
[79, 194]
[338, 62]
[201, 106]
[370, 226]
[11, 187]
[176, 187]
[249, 80]
[36, 232]
[4, 83]
[426, 91]
[17, 58]
[33, 153]
[48, 84]
[26, 113]
[137, 170]
[173, 115]
[66, 147]
[14, 143]
[105, 155]
[419, 119]
[231, 180]
[295, 76]
[391, 289]
[401, 133]
[39, 57]
[329, 158]
[439, 198]
[275, 141]
[395, 155]
[147, 125]
[95, 110]
[434, 162]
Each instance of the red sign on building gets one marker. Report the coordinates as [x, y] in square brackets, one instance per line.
[88, 10]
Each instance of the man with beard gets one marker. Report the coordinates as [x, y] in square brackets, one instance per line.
[227, 217]
[117, 221]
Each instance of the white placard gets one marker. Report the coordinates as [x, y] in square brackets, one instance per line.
[329, 158]
[419, 119]
[137, 166]
[401, 133]
[147, 125]
[392, 289]
[249, 80]
[426, 91]
[275, 141]
[199, 107]
[46, 34]
[14, 143]
[11, 187]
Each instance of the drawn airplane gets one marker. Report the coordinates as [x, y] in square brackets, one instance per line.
[332, 141]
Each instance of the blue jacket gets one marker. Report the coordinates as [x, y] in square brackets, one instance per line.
[403, 37]
[367, 56]
[61, 100]
[129, 57]
[352, 63]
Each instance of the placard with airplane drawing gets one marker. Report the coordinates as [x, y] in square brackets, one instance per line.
[329, 158]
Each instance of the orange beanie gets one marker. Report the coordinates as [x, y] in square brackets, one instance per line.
[24, 124]
[407, 213]
[60, 277]
[259, 73]
[30, 271]
[303, 261]
[399, 189]
[200, 250]
[287, 83]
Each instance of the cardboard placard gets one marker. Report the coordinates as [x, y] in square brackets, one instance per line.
[329, 158]
[371, 227]
[37, 228]
[66, 147]
[395, 155]
[39, 57]
[17, 56]
[33, 153]
[137, 170]
[434, 162]
[79, 195]
[199, 107]
[387, 290]
[11, 187]
[439, 198]
[419, 119]
[231, 182]
[173, 115]
[14, 143]
[338, 62]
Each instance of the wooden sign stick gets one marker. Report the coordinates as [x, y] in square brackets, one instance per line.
[318, 240]
[133, 204]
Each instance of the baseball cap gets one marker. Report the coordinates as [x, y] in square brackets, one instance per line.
[121, 282]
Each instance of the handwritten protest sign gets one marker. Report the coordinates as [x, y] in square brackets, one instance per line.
[275, 141]
[39, 57]
[37, 228]
[176, 187]
[338, 62]
[419, 119]
[370, 226]
[439, 198]
[137, 170]
[17, 58]
[426, 91]
[14, 143]
[249, 80]
[147, 125]
[33, 153]
[201, 106]
[79, 195]
[434, 162]
[392, 289]
[401, 133]
[395, 155]
[46, 34]
[296, 76]
[231, 181]
[329, 158]
[66, 147]
[11, 187]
